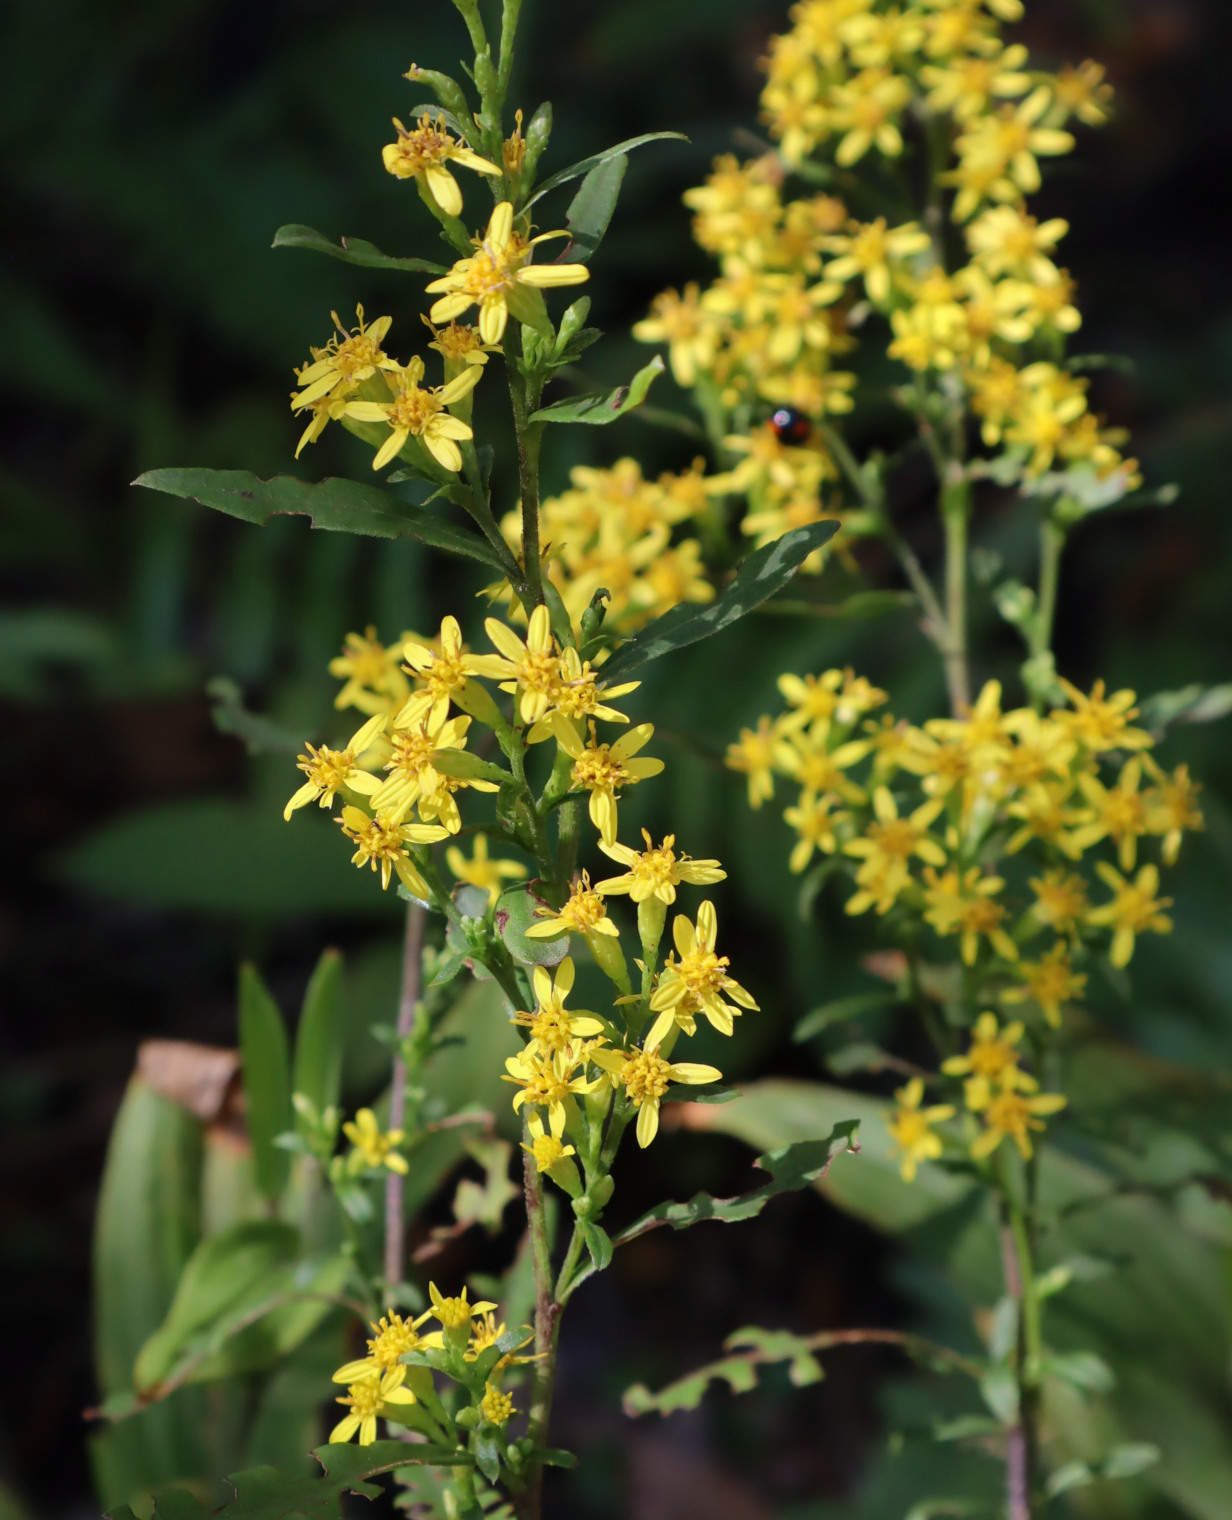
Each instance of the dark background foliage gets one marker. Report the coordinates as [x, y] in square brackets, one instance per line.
[149, 151]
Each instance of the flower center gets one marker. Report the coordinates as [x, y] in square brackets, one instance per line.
[645, 1075]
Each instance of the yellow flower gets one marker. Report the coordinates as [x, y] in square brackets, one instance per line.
[371, 1147]
[443, 676]
[887, 848]
[1118, 813]
[754, 754]
[991, 1062]
[495, 1406]
[603, 769]
[532, 664]
[337, 370]
[583, 913]
[497, 270]
[423, 151]
[1014, 1114]
[1050, 981]
[380, 840]
[813, 701]
[554, 1029]
[454, 1313]
[479, 871]
[545, 1145]
[1060, 900]
[416, 412]
[968, 85]
[1005, 240]
[459, 344]
[1098, 722]
[335, 770]
[373, 681]
[961, 903]
[645, 1077]
[656, 872]
[814, 821]
[1082, 92]
[393, 1337]
[414, 778]
[868, 250]
[1044, 815]
[695, 982]
[687, 328]
[1174, 808]
[820, 770]
[997, 153]
[369, 1398]
[549, 1080]
[911, 1127]
[1134, 909]
[866, 110]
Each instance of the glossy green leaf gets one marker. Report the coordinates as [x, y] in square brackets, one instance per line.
[590, 211]
[763, 573]
[321, 1035]
[585, 165]
[839, 1011]
[222, 1272]
[264, 1493]
[349, 250]
[266, 1066]
[607, 406]
[489, 1449]
[333, 505]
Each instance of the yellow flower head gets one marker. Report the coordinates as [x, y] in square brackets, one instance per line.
[1060, 900]
[695, 983]
[421, 412]
[962, 903]
[337, 370]
[645, 1078]
[1099, 723]
[755, 754]
[554, 1029]
[373, 1148]
[991, 1062]
[382, 844]
[442, 674]
[546, 1146]
[1014, 1114]
[688, 329]
[1050, 982]
[496, 272]
[480, 871]
[372, 679]
[604, 769]
[392, 1338]
[422, 152]
[911, 1127]
[413, 776]
[550, 1079]
[583, 913]
[495, 1406]
[332, 770]
[454, 1313]
[656, 871]
[1136, 908]
[369, 1398]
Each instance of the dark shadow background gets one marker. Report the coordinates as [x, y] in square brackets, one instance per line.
[149, 151]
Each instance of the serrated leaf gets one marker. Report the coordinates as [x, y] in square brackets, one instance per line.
[350, 250]
[321, 1035]
[265, 1064]
[839, 1011]
[334, 505]
[585, 165]
[605, 406]
[763, 573]
[591, 209]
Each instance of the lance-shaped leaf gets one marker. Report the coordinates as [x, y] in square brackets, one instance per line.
[591, 209]
[840, 1011]
[321, 1035]
[266, 1065]
[585, 165]
[604, 406]
[738, 1371]
[349, 250]
[264, 1493]
[765, 571]
[334, 505]
[259, 734]
[791, 1167]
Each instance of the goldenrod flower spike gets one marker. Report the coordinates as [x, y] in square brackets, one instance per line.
[1013, 1115]
[371, 1147]
[480, 871]
[494, 272]
[337, 370]
[443, 674]
[333, 770]
[1050, 981]
[1136, 908]
[369, 1398]
[422, 153]
[911, 1127]
[413, 776]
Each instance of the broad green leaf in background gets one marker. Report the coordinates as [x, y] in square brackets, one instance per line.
[763, 573]
[266, 1065]
[591, 209]
[606, 406]
[267, 1494]
[586, 165]
[1191, 704]
[334, 505]
[35, 640]
[321, 1035]
[349, 250]
[260, 735]
[840, 1011]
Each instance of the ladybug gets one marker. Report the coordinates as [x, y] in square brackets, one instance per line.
[790, 426]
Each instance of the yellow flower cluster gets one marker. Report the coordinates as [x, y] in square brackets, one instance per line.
[944, 815]
[612, 531]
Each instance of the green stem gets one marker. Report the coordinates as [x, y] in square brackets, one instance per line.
[1052, 542]
[955, 515]
[547, 1331]
[509, 26]
[408, 1003]
[572, 1255]
[568, 834]
[1022, 1438]
[480, 510]
[523, 393]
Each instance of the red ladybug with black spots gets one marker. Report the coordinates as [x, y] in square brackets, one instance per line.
[790, 426]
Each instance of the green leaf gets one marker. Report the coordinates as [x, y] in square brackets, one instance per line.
[264, 1493]
[1081, 1369]
[516, 911]
[321, 1035]
[350, 250]
[738, 1371]
[860, 605]
[591, 209]
[585, 165]
[1129, 1460]
[461, 764]
[839, 1011]
[763, 573]
[333, 505]
[1190, 704]
[1072, 1475]
[259, 734]
[556, 1456]
[266, 1067]
[221, 1272]
[489, 1449]
[598, 1243]
[604, 407]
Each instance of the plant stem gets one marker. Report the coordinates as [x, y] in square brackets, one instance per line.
[1052, 542]
[1022, 1438]
[408, 1000]
[524, 396]
[955, 514]
[547, 1330]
